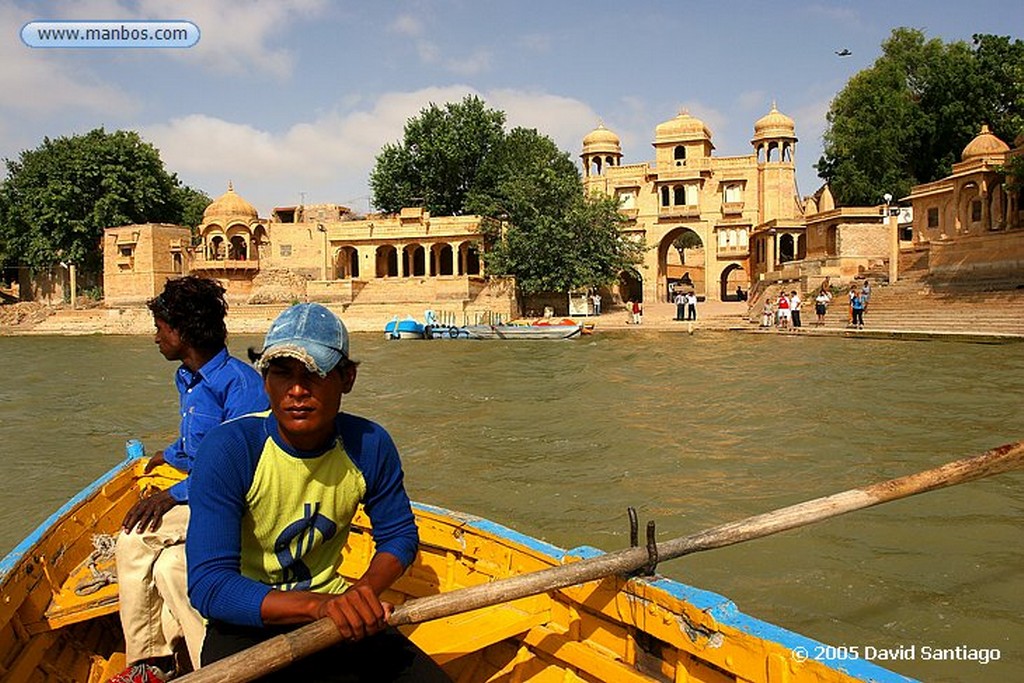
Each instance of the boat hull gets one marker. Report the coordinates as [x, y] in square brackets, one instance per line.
[524, 331]
[611, 631]
[403, 329]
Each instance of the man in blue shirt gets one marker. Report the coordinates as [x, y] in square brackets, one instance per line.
[213, 387]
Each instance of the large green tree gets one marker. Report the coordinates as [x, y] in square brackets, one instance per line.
[57, 199]
[459, 160]
[437, 163]
[906, 119]
[553, 237]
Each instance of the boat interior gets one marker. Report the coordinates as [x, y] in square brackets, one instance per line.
[59, 621]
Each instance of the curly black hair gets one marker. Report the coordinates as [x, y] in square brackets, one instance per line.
[195, 307]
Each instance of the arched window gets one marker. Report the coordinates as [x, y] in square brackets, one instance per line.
[665, 196]
[414, 257]
[387, 261]
[445, 260]
[787, 248]
[215, 249]
[679, 196]
[691, 195]
[679, 154]
[239, 249]
[346, 263]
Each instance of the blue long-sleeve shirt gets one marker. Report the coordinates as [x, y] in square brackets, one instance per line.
[223, 388]
[266, 516]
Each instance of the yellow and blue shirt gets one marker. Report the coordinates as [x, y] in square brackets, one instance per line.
[266, 516]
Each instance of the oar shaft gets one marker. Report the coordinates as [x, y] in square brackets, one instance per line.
[991, 462]
[280, 651]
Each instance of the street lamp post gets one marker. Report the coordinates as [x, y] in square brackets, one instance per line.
[894, 239]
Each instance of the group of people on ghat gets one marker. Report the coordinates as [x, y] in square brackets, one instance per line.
[783, 312]
[686, 305]
[246, 545]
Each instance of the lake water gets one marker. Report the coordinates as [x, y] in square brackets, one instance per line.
[555, 439]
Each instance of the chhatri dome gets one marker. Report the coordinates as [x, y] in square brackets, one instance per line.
[682, 127]
[984, 144]
[774, 124]
[230, 205]
[601, 140]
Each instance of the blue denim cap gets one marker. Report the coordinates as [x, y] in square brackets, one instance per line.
[310, 333]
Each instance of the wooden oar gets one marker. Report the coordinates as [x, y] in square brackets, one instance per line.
[280, 651]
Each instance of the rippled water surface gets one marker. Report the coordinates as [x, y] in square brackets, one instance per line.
[555, 439]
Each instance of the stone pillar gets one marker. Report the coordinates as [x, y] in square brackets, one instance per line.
[894, 247]
[986, 214]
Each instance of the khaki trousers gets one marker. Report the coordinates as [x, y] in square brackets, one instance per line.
[153, 586]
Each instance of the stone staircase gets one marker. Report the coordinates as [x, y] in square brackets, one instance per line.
[917, 304]
[914, 304]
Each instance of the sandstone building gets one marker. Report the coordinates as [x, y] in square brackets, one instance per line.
[725, 202]
[711, 224]
[397, 264]
[970, 224]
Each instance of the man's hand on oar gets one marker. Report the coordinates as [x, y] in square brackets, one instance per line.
[280, 651]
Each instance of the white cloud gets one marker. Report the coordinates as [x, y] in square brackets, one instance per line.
[36, 80]
[471, 65]
[238, 37]
[564, 119]
[330, 157]
[753, 101]
[428, 52]
[406, 25]
[234, 37]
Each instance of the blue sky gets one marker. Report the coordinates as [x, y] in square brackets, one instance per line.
[293, 99]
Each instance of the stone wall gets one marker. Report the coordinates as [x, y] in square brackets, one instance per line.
[866, 240]
[137, 260]
[992, 254]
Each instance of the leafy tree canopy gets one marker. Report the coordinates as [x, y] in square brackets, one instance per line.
[57, 199]
[437, 163]
[906, 119]
[549, 235]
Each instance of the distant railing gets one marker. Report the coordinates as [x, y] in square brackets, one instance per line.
[224, 264]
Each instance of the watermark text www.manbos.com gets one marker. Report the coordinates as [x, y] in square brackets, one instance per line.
[906, 653]
[110, 34]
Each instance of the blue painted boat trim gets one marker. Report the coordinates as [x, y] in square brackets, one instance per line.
[721, 608]
[13, 557]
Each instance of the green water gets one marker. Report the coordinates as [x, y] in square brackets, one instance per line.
[555, 439]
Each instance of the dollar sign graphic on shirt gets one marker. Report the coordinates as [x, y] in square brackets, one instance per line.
[303, 533]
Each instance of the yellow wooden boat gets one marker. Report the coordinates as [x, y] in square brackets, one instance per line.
[59, 621]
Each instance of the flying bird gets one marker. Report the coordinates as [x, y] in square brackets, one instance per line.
[844, 52]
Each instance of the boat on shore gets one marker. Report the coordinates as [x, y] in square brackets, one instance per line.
[407, 328]
[59, 619]
[510, 331]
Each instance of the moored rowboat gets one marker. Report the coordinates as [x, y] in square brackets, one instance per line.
[58, 608]
[524, 331]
